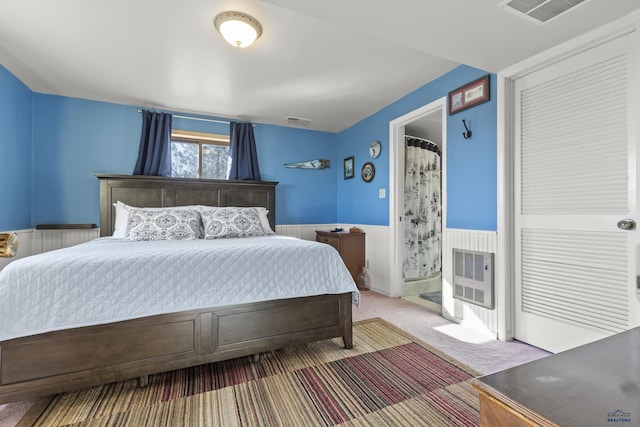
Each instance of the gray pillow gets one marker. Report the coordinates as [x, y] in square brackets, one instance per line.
[163, 224]
[231, 222]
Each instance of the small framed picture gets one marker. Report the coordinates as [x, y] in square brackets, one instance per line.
[469, 95]
[348, 167]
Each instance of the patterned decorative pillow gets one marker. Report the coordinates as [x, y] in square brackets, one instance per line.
[122, 216]
[231, 222]
[262, 212]
[163, 224]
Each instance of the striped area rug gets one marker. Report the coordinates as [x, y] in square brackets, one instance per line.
[389, 378]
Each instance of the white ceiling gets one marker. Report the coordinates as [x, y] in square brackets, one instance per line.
[332, 61]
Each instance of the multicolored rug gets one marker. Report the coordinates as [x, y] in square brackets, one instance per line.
[389, 378]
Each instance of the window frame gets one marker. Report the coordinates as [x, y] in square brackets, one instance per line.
[200, 139]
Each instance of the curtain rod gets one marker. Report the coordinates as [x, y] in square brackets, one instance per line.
[421, 139]
[203, 120]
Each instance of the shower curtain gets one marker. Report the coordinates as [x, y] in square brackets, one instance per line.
[422, 209]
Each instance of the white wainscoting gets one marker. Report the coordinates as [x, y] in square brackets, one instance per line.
[303, 231]
[33, 242]
[453, 309]
[49, 240]
[377, 256]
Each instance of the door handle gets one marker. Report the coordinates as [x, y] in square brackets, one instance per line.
[626, 224]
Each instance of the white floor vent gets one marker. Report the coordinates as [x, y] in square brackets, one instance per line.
[540, 11]
[473, 277]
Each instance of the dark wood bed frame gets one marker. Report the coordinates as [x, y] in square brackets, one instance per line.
[66, 360]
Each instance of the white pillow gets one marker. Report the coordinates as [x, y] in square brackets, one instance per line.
[122, 217]
[264, 220]
[163, 224]
[262, 212]
[226, 222]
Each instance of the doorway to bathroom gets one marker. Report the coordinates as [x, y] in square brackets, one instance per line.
[419, 203]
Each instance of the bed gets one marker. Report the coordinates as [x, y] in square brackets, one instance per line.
[85, 353]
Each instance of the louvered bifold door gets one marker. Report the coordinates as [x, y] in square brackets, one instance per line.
[575, 179]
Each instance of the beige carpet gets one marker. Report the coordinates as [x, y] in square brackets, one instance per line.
[476, 349]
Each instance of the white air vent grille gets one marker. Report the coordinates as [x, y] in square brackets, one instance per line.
[540, 11]
[298, 121]
[473, 277]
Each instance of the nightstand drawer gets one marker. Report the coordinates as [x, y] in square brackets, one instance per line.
[333, 241]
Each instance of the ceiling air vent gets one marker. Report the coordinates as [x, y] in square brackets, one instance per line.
[540, 11]
[298, 121]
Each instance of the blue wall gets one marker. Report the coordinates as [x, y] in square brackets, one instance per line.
[471, 164]
[15, 153]
[303, 196]
[56, 144]
[74, 139]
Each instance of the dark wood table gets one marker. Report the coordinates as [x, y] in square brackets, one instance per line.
[597, 384]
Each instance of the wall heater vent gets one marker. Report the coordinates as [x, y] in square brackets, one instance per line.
[473, 277]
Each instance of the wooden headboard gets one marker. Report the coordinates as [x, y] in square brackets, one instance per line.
[156, 192]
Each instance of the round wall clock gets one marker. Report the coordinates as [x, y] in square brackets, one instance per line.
[374, 149]
[368, 172]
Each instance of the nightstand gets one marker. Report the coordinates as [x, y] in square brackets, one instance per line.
[349, 245]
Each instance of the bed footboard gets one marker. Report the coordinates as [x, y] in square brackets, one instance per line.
[65, 360]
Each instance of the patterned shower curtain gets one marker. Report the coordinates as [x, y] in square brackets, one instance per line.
[422, 209]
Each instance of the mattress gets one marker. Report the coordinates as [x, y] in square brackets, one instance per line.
[108, 280]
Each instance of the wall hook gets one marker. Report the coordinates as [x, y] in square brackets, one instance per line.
[466, 134]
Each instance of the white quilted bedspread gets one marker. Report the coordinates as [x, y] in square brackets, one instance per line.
[108, 280]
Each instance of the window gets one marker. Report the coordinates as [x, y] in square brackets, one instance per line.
[199, 155]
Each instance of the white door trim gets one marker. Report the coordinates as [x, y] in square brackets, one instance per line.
[396, 185]
[505, 269]
[505, 273]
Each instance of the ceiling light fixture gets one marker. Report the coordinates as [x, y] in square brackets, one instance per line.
[238, 28]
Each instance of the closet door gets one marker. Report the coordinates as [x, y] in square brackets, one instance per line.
[576, 178]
